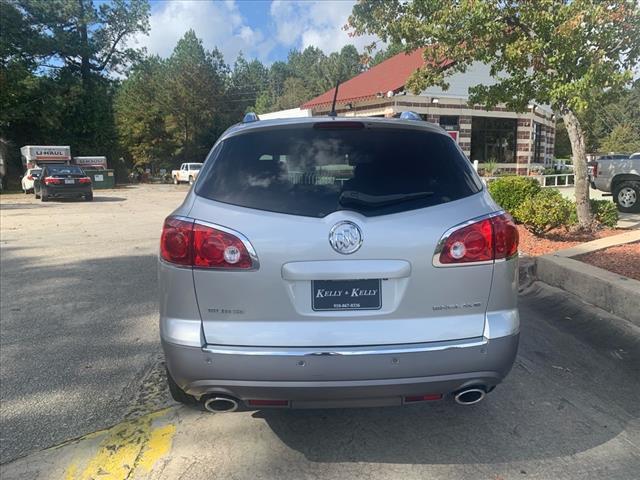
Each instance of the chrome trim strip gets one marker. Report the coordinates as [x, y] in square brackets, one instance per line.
[345, 351]
[448, 233]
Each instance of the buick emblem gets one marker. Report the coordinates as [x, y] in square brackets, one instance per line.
[345, 237]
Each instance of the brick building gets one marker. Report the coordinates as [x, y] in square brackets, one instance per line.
[515, 141]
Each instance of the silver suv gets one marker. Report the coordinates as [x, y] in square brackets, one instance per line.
[335, 262]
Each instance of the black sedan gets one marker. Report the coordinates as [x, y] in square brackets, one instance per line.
[63, 181]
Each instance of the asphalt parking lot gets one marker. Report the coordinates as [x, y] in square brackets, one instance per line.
[79, 352]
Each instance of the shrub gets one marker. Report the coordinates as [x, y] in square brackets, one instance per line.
[509, 192]
[604, 212]
[547, 210]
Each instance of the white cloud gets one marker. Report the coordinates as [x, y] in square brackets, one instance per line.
[291, 24]
[315, 23]
[217, 24]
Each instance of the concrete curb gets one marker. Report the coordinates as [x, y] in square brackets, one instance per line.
[601, 243]
[611, 292]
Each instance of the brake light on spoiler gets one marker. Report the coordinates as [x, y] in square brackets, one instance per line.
[482, 240]
[196, 244]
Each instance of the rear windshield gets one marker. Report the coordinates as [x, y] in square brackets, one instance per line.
[314, 172]
[64, 170]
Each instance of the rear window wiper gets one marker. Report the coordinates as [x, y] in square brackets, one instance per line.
[353, 196]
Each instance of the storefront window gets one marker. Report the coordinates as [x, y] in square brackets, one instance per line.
[449, 122]
[493, 139]
[537, 142]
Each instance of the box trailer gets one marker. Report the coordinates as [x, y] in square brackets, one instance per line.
[96, 169]
[34, 155]
[95, 163]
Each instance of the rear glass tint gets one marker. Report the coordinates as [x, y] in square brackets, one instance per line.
[314, 172]
[64, 170]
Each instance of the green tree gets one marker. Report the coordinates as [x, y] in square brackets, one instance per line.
[55, 57]
[192, 97]
[87, 39]
[624, 138]
[343, 65]
[171, 111]
[249, 80]
[140, 118]
[564, 53]
[602, 119]
[295, 94]
[562, 147]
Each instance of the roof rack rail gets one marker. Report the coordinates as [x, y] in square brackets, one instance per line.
[409, 115]
[250, 117]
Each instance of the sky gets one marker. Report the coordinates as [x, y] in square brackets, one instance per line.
[262, 29]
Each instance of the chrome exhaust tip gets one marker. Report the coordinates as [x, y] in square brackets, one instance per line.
[469, 396]
[220, 405]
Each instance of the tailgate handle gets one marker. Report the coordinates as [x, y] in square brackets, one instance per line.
[346, 269]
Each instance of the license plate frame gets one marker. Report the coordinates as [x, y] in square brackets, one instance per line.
[69, 181]
[346, 295]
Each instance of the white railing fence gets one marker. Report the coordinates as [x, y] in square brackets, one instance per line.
[557, 180]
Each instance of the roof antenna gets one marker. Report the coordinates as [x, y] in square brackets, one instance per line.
[333, 112]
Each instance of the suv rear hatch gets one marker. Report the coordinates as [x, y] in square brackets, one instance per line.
[282, 189]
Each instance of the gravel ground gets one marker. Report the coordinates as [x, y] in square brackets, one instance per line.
[623, 259]
[78, 313]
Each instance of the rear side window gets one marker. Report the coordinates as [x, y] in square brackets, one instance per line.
[314, 172]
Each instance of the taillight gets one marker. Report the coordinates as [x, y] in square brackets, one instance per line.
[215, 248]
[52, 181]
[505, 236]
[29, 177]
[84, 180]
[486, 240]
[176, 242]
[185, 242]
[595, 169]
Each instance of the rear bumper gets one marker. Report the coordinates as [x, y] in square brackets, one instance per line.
[67, 192]
[358, 377]
[601, 183]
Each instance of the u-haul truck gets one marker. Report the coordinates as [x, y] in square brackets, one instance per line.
[34, 155]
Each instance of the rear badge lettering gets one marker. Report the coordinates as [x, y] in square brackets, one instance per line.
[456, 306]
[226, 311]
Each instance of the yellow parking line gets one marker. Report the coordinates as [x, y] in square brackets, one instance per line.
[158, 446]
[127, 446]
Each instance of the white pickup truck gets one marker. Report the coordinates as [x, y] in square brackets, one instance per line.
[187, 173]
[621, 177]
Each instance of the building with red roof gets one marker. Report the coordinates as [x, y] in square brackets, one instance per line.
[516, 141]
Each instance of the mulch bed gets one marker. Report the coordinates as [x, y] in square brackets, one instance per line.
[622, 259]
[557, 239]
